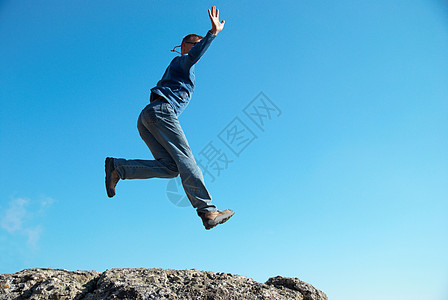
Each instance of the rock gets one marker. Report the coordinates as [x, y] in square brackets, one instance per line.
[308, 291]
[47, 284]
[149, 284]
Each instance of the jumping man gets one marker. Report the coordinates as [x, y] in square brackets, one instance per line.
[160, 129]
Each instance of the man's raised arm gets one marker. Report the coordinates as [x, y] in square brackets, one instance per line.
[199, 49]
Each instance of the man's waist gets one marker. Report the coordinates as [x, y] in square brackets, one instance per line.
[155, 97]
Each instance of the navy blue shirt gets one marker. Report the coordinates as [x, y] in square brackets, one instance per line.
[177, 83]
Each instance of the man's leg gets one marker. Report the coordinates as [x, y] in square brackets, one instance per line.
[162, 167]
[161, 121]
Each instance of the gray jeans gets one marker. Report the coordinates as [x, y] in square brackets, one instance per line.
[160, 129]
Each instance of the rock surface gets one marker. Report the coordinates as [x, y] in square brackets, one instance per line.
[149, 284]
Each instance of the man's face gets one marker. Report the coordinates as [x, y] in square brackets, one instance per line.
[187, 45]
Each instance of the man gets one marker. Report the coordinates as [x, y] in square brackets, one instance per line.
[160, 129]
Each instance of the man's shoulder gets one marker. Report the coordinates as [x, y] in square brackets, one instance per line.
[180, 62]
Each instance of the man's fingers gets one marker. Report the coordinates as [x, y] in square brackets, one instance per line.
[214, 15]
[214, 12]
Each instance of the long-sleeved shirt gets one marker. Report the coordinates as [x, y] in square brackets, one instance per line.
[178, 81]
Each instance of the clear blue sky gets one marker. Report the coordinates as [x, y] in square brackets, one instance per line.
[345, 188]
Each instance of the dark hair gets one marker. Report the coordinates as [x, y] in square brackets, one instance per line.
[191, 36]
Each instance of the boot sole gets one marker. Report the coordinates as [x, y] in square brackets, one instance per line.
[219, 220]
[109, 167]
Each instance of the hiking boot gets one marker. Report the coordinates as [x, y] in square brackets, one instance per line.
[211, 219]
[112, 177]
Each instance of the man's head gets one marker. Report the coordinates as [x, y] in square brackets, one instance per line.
[188, 42]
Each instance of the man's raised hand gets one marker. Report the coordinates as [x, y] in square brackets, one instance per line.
[214, 17]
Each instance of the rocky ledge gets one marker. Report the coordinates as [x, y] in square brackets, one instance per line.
[149, 284]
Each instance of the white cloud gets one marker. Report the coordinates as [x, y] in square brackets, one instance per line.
[13, 219]
[47, 201]
[23, 218]
[33, 235]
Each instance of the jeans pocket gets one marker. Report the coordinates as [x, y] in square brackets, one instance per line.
[155, 112]
[149, 115]
[167, 111]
